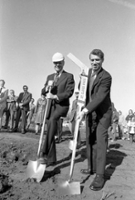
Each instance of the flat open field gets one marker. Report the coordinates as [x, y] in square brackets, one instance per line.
[17, 149]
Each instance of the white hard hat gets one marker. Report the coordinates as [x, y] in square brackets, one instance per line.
[57, 57]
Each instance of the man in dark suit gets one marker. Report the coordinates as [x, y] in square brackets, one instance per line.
[22, 108]
[98, 111]
[61, 91]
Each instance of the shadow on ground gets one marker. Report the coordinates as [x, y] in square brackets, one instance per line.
[114, 159]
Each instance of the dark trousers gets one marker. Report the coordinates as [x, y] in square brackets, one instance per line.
[96, 144]
[23, 113]
[49, 147]
[10, 113]
[59, 128]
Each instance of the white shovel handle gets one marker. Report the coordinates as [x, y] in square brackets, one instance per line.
[77, 125]
[43, 126]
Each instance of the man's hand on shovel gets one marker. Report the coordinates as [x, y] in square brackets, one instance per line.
[81, 114]
[51, 96]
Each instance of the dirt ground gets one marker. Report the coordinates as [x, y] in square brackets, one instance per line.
[17, 149]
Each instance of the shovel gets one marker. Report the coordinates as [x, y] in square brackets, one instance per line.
[35, 169]
[69, 187]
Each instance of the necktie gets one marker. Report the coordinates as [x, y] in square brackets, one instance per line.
[92, 78]
[56, 78]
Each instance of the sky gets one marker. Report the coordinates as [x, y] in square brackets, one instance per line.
[31, 31]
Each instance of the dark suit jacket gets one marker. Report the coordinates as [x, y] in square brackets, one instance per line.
[64, 88]
[25, 99]
[100, 95]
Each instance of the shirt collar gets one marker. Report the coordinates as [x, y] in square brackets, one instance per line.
[96, 72]
[60, 73]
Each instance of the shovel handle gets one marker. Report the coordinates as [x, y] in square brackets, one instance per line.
[43, 126]
[77, 124]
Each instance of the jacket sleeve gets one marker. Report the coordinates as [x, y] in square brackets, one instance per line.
[44, 91]
[5, 97]
[19, 98]
[102, 93]
[68, 90]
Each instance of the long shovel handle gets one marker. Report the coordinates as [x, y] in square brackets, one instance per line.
[77, 124]
[43, 127]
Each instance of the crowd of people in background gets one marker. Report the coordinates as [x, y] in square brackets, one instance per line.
[16, 112]
[122, 127]
[20, 111]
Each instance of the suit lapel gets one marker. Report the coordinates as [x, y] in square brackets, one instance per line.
[98, 78]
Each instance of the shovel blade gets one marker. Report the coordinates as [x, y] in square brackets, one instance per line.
[67, 188]
[35, 170]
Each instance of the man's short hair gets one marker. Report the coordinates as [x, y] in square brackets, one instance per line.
[25, 86]
[2, 81]
[97, 52]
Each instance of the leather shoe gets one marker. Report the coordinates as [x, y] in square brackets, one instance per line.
[97, 183]
[86, 171]
[15, 130]
[23, 131]
[10, 130]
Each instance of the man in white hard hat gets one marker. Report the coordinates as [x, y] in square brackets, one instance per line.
[62, 90]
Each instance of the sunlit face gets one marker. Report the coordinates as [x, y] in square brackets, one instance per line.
[11, 92]
[58, 66]
[25, 88]
[96, 62]
[42, 97]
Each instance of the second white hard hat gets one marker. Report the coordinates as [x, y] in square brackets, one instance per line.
[57, 57]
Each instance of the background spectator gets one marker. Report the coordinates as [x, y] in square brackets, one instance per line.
[3, 100]
[22, 108]
[11, 108]
[121, 124]
[39, 110]
[30, 113]
[129, 119]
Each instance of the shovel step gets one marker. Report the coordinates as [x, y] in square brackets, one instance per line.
[35, 170]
